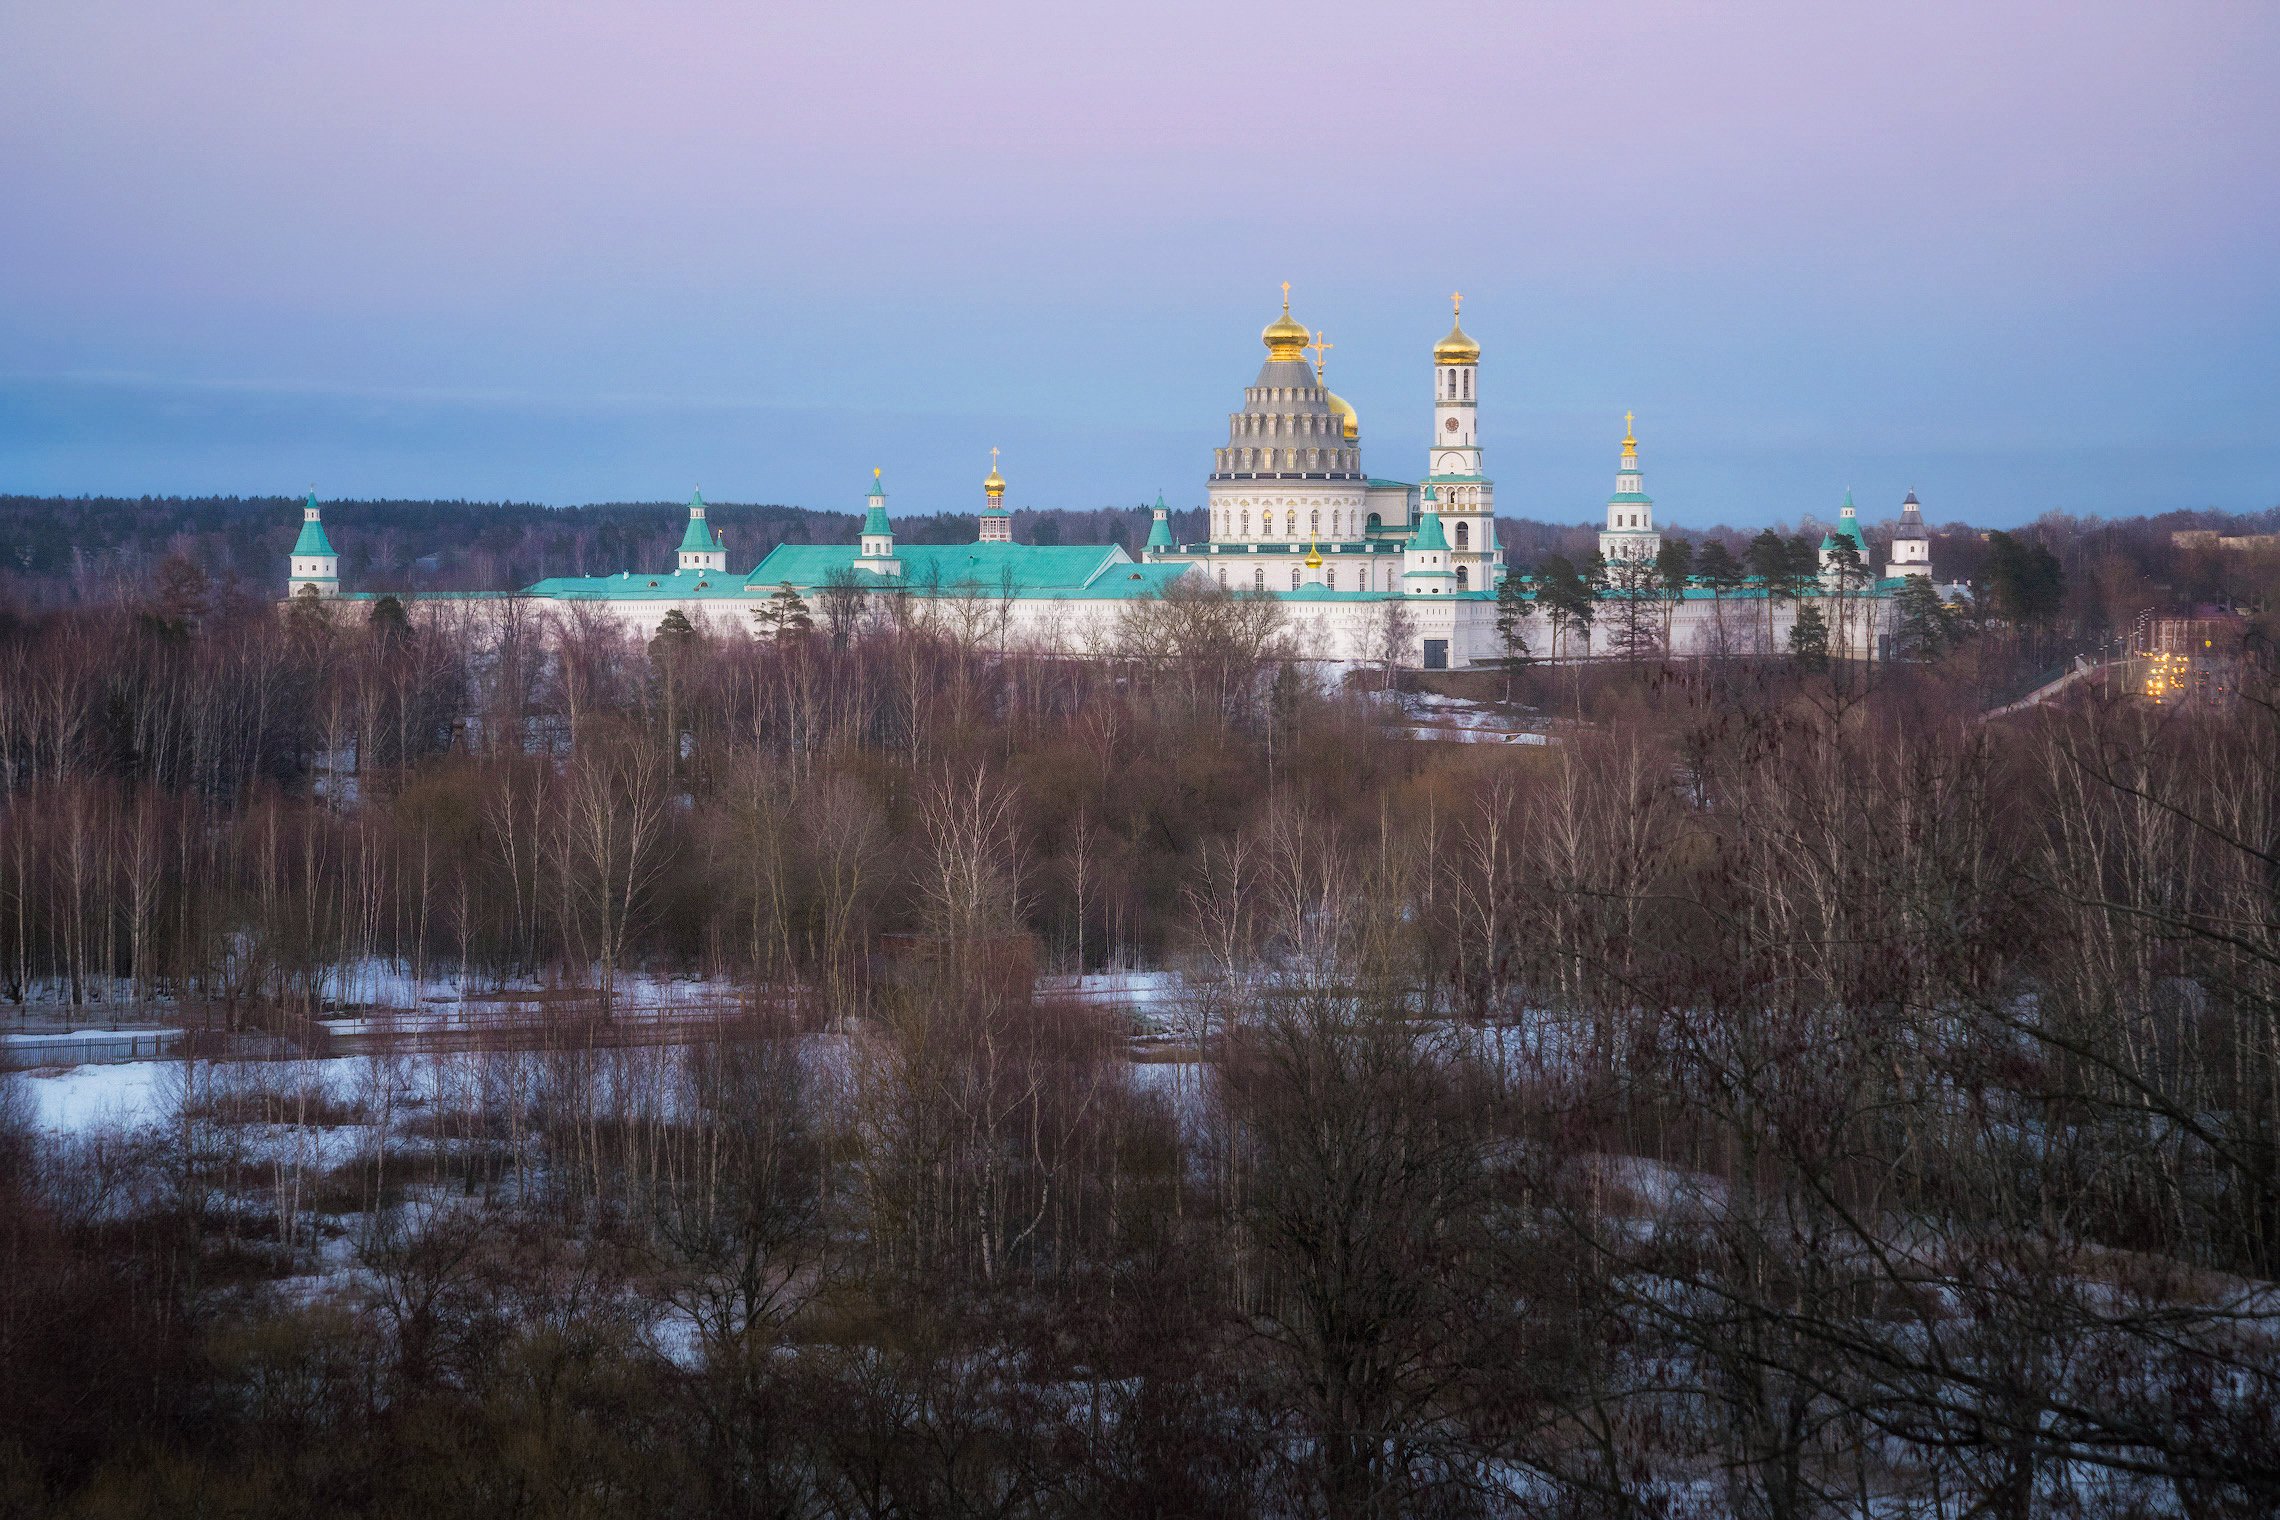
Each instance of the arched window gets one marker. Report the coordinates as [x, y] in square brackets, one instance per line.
[1222, 575]
[1464, 535]
[1314, 522]
[1376, 522]
[1259, 578]
[1294, 577]
[1463, 579]
[1290, 524]
[1246, 522]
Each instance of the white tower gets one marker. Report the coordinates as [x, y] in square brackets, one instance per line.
[315, 567]
[701, 547]
[1630, 532]
[878, 551]
[1911, 546]
[1462, 492]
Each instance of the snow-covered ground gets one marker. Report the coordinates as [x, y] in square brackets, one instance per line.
[81, 1098]
[383, 982]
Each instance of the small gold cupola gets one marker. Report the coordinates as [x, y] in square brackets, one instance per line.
[1458, 347]
[1286, 338]
[996, 522]
[1349, 423]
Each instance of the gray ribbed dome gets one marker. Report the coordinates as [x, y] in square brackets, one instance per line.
[1287, 430]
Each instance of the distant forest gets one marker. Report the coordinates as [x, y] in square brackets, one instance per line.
[57, 551]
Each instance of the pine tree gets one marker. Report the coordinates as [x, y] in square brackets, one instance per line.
[1923, 628]
[1809, 638]
[1851, 574]
[1633, 586]
[784, 615]
[1674, 567]
[1568, 601]
[1768, 560]
[1514, 609]
[388, 622]
[1718, 568]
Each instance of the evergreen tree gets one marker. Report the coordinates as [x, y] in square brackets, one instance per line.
[387, 621]
[1809, 638]
[1568, 600]
[1514, 609]
[1718, 569]
[1674, 567]
[307, 614]
[1849, 574]
[1632, 587]
[1768, 560]
[2026, 585]
[784, 615]
[1922, 626]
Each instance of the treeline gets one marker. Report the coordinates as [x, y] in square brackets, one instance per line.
[1789, 1095]
[85, 550]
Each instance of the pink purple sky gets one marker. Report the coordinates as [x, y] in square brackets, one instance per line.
[2016, 257]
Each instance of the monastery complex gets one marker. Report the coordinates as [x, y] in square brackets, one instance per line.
[1360, 563]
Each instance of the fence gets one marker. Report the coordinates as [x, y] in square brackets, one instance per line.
[83, 1047]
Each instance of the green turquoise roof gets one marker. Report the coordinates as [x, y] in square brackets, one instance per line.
[699, 538]
[1026, 571]
[1849, 525]
[875, 521]
[312, 539]
[1630, 498]
[1429, 535]
[1160, 531]
[670, 586]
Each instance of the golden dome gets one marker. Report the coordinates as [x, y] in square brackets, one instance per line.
[1284, 337]
[1352, 423]
[1457, 347]
[994, 483]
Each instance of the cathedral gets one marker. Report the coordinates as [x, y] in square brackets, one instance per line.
[1365, 568]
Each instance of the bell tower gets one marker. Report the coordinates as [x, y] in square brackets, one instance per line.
[1630, 532]
[1465, 497]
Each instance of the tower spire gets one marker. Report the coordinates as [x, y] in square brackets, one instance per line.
[997, 524]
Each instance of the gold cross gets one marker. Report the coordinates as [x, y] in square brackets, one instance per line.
[1626, 424]
[993, 461]
[1456, 303]
[1321, 347]
[1286, 298]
